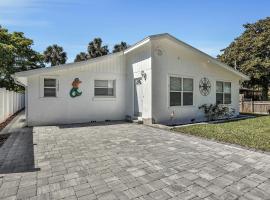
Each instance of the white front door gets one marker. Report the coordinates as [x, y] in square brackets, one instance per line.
[138, 97]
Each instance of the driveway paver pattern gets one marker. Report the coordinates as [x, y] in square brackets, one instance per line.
[127, 161]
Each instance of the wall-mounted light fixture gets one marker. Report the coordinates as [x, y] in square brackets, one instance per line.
[144, 75]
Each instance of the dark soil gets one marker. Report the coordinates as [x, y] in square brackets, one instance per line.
[5, 123]
[3, 138]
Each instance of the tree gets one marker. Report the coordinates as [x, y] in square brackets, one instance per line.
[81, 57]
[16, 54]
[250, 53]
[55, 55]
[120, 47]
[95, 48]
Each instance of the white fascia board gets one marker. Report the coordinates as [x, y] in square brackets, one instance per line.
[137, 45]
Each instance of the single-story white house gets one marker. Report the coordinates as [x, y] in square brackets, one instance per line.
[151, 80]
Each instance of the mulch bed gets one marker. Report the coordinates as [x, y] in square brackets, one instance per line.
[4, 137]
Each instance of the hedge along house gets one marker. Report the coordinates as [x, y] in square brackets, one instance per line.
[150, 80]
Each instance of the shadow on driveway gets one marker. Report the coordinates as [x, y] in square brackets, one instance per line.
[80, 125]
[17, 153]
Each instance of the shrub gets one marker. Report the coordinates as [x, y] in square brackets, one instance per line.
[215, 111]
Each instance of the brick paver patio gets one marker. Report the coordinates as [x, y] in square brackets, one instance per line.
[127, 161]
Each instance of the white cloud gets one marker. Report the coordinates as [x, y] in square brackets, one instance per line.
[212, 48]
[15, 3]
[17, 13]
[212, 51]
[24, 22]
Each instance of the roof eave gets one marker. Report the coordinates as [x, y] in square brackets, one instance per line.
[137, 45]
[64, 66]
[19, 80]
[243, 76]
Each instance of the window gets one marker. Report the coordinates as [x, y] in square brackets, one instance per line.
[187, 91]
[175, 91]
[105, 88]
[181, 91]
[50, 87]
[223, 92]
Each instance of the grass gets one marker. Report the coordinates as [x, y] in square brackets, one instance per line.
[252, 133]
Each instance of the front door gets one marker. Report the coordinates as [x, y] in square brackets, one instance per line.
[138, 97]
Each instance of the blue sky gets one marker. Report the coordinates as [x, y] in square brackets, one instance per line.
[208, 25]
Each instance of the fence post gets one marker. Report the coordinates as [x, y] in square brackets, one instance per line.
[14, 102]
[6, 104]
[252, 105]
[242, 106]
[2, 105]
[18, 102]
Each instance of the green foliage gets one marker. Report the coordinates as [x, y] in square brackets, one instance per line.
[215, 111]
[250, 53]
[95, 48]
[120, 47]
[16, 54]
[81, 57]
[254, 133]
[55, 55]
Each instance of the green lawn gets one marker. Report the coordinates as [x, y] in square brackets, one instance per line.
[254, 133]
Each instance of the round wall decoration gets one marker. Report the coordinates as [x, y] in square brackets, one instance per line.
[158, 51]
[205, 86]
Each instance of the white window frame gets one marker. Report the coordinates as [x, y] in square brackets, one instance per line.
[182, 90]
[42, 86]
[223, 93]
[105, 96]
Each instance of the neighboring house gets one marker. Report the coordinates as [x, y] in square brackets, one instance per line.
[156, 78]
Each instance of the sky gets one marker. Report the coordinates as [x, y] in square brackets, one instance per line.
[209, 25]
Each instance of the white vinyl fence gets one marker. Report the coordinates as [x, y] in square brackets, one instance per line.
[10, 103]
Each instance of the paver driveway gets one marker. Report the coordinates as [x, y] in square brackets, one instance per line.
[127, 161]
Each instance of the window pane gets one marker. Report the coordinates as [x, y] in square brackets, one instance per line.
[49, 92]
[101, 83]
[219, 98]
[175, 98]
[110, 84]
[227, 99]
[219, 86]
[49, 82]
[104, 92]
[175, 84]
[187, 98]
[110, 92]
[101, 91]
[187, 84]
[104, 87]
[227, 87]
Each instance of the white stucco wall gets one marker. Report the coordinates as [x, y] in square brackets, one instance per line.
[137, 61]
[85, 108]
[181, 61]
[175, 60]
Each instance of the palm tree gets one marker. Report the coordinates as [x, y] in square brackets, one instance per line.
[55, 55]
[81, 57]
[95, 48]
[120, 47]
